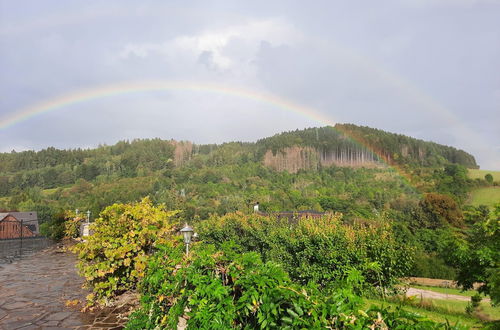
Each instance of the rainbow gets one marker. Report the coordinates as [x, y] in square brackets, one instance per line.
[107, 91]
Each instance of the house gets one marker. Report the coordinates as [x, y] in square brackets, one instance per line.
[18, 224]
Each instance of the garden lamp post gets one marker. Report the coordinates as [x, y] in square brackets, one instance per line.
[187, 232]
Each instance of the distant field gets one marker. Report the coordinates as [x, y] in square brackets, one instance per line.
[47, 192]
[437, 316]
[479, 174]
[485, 196]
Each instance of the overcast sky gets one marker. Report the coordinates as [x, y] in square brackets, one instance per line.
[424, 68]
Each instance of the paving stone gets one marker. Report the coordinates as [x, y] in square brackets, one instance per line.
[58, 316]
[15, 324]
[103, 325]
[29, 327]
[17, 305]
[20, 316]
[51, 324]
[71, 322]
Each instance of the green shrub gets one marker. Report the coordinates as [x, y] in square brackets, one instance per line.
[317, 250]
[114, 257]
[431, 266]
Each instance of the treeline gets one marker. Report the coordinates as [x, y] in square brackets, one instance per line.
[51, 168]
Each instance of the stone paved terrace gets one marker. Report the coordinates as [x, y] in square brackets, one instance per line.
[35, 290]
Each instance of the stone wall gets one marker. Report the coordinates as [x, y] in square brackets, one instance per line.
[11, 249]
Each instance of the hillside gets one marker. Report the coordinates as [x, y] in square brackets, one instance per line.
[343, 145]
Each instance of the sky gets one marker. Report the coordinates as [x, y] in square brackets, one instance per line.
[83, 73]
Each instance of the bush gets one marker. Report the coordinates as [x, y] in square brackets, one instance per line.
[226, 290]
[72, 225]
[317, 250]
[432, 266]
[114, 257]
[54, 228]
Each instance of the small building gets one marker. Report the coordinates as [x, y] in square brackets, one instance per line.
[18, 224]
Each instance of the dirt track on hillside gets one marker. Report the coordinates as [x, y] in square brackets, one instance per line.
[428, 294]
[434, 295]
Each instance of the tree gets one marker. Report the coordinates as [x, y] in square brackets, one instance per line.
[478, 256]
[489, 178]
[453, 181]
[441, 210]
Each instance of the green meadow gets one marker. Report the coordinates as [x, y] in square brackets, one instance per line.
[488, 196]
[479, 174]
[434, 310]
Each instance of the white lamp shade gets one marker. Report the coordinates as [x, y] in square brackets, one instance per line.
[187, 232]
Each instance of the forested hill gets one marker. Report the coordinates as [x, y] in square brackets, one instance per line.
[347, 144]
[342, 145]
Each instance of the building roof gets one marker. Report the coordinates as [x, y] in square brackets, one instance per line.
[25, 216]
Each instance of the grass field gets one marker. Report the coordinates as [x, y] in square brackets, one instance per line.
[456, 306]
[47, 192]
[485, 196]
[437, 315]
[479, 174]
[442, 311]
